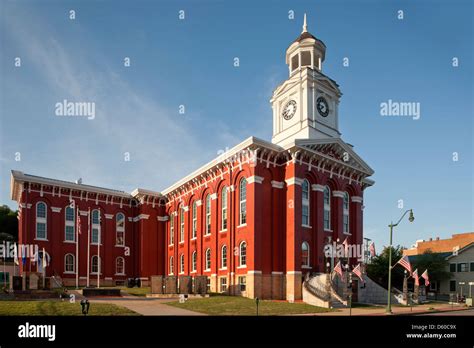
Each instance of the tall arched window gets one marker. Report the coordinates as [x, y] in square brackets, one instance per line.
[120, 229]
[95, 264]
[345, 213]
[194, 261]
[194, 214]
[305, 203]
[119, 265]
[181, 225]
[224, 209]
[208, 214]
[305, 254]
[171, 236]
[224, 257]
[95, 226]
[243, 254]
[327, 208]
[69, 234]
[181, 263]
[69, 264]
[208, 259]
[41, 221]
[171, 266]
[243, 201]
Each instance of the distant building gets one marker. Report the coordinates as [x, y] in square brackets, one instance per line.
[459, 251]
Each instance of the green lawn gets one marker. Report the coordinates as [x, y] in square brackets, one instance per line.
[54, 307]
[136, 291]
[235, 305]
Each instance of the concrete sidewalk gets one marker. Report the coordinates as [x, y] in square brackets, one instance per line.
[146, 306]
[397, 310]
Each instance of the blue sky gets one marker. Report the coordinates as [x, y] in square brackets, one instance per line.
[190, 62]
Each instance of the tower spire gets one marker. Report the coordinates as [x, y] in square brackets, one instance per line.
[305, 27]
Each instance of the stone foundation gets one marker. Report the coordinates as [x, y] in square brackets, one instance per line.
[294, 286]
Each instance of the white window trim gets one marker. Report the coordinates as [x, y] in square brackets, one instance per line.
[306, 226]
[346, 212]
[327, 207]
[194, 220]
[120, 229]
[224, 208]
[73, 264]
[242, 201]
[207, 210]
[194, 238]
[70, 224]
[242, 225]
[41, 220]
[123, 273]
[306, 202]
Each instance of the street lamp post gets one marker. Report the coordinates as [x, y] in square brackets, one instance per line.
[411, 218]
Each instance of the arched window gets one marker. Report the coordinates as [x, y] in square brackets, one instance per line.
[171, 265]
[95, 264]
[194, 261]
[243, 254]
[119, 265]
[181, 225]
[69, 264]
[120, 229]
[95, 226]
[194, 213]
[208, 259]
[41, 221]
[181, 263]
[345, 213]
[305, 203]
[305, 254]
[243, 201]
[208, 214]
[224, 209]
[171, 236]
[69, 234]
[327, 208]
[224, 257]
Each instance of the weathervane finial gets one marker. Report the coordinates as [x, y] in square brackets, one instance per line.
[305, 27]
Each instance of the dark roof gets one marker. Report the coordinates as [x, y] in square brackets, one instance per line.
[307, 35]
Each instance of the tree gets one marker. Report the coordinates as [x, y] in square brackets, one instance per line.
[8, 224]
[377, 270]
[435, 263]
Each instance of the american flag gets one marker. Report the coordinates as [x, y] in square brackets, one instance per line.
[78, 221]
[372, 249]
[338, 270]
[346, 246]
[415, 276]
[405, 262]
[357, 271]
[426, 278]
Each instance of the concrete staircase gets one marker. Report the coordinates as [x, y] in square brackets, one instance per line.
[319, 291]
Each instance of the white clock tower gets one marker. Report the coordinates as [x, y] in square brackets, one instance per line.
[305, 106]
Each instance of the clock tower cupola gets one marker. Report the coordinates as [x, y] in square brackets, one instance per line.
[305, 106]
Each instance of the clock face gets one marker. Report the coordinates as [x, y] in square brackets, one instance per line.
[322, 106]
[289, 110]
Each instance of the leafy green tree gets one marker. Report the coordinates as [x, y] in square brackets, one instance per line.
[377, 269]
[436, 264]
[8, 224]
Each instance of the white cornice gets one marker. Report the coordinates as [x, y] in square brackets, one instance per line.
[109, 216]
[56, 209]
[162, 218]
[294, 181]
[278, 184]
[339, 194]
[356, 199]
[254, 179]
[317, 187]
[214, 196]
[198, 202]
[141, 217]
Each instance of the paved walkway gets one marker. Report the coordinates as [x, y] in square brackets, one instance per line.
[141, 305]
[146, 306]
[399, 310]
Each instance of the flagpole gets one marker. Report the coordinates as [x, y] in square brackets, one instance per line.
[88, 244]
[77, 247]
[44, 268]
[4, 266]
[98, 250]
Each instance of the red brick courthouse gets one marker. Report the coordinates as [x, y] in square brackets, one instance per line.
[254, 220]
